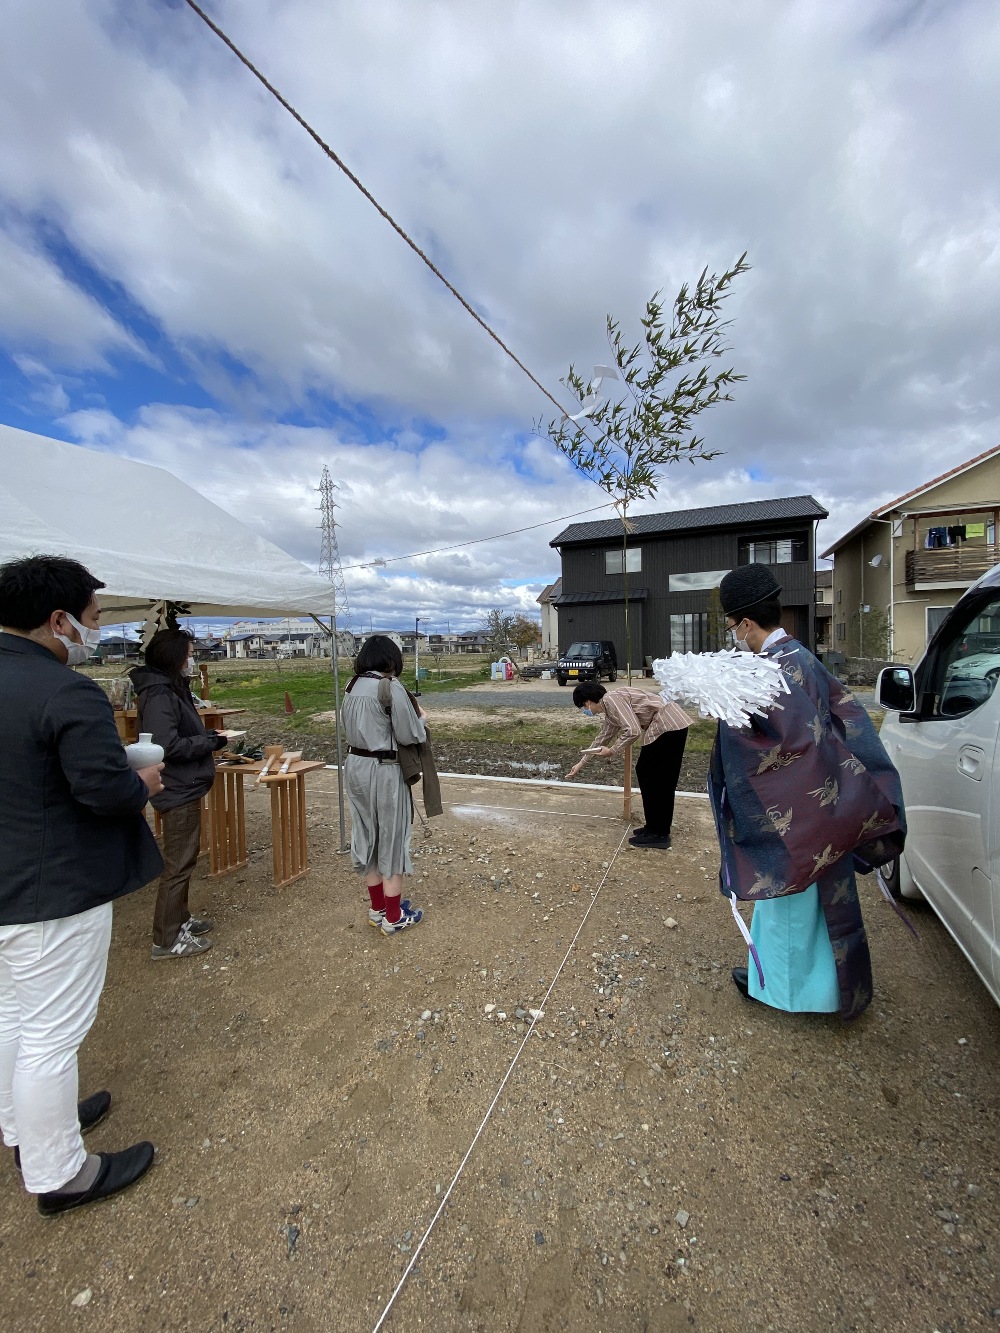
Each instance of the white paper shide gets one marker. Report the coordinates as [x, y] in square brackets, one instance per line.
[730, 685]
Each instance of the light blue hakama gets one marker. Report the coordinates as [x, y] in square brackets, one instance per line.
[792, 940]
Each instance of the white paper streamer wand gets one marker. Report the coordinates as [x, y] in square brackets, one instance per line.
[729, 685]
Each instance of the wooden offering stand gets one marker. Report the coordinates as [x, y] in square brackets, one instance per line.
[290, 851]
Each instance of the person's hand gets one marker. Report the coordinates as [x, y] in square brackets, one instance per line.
[574, 770]
[151, 777]
[420, 712]
[603, 753]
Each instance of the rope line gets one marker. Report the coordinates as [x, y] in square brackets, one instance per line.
[384, 213]
[499, 1091]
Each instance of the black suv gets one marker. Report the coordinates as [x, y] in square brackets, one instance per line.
[589, 660]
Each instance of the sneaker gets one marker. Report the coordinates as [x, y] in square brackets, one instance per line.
[376, 917]
[185, 945]
[411, 916]
[199, 925]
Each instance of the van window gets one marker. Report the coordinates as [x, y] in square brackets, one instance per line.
[966, 665]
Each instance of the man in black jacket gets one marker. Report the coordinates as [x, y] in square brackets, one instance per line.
[72, 839]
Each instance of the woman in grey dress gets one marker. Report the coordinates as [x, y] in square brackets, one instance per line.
[381, 807]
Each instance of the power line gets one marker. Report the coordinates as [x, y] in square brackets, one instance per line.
[355, 180]
[477, 541]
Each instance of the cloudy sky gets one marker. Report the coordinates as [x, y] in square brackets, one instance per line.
[185, 279]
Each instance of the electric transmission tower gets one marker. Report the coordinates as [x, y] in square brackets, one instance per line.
[329, 551]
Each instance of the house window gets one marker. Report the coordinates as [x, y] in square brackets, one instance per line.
[935, 618]
[633, 561]
[708, 578]
[841, 631]
[840, 594]
[772, 550]
[689, 632]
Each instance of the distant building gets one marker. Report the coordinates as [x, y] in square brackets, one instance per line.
[898, 572]
[824, 609]
[282, 638]
[550, 618]
[443, 643]
[118, 648]
[382, 633]
[674, 561]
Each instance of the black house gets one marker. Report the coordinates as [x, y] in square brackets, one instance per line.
[674, 561]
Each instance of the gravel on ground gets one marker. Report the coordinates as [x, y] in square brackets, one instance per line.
[664, 1156]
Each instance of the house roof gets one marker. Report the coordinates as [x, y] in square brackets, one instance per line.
[885, 509]
[549, 592]
[824, 578]
[692, 520]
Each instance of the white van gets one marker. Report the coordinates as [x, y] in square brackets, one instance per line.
[941, 732]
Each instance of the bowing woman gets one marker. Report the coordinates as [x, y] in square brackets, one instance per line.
[629, 714]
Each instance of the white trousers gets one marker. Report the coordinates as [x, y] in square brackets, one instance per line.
[51, 978]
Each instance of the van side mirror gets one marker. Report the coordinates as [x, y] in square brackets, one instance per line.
[897, 691]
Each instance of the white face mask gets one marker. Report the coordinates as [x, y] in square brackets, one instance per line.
[78, 653]
[741, 644]
[188, 668]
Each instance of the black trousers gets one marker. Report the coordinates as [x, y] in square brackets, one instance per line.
[657, 770]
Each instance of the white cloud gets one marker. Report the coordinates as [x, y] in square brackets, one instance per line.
[560, 162]
[40, 310]
[392, 503]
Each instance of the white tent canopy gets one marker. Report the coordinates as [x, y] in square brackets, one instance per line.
[146, 534]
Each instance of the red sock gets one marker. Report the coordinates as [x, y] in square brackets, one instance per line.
[393, 911]
[377, 896]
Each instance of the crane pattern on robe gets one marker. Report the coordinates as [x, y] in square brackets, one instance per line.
[797, 794]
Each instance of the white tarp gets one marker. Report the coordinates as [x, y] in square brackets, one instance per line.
[146, 534]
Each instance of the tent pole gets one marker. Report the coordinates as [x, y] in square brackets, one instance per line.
[340, 745]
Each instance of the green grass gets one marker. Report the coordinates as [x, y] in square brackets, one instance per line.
[261, 688]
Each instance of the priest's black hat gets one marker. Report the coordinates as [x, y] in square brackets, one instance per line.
[746, 586]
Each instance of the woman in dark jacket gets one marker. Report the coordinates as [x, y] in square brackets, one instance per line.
[167, 709]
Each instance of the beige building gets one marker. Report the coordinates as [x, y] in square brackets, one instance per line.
[824, 609]
[550, 619]
[900, 570]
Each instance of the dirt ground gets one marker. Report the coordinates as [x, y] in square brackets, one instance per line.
[664, 1155]
[506, 739]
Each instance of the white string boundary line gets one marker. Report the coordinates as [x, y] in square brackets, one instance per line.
[489, 1111]
[548, 782]
[533, 810]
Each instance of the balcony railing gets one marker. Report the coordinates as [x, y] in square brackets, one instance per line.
[961, 564]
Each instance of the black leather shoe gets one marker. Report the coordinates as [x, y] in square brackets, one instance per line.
[118, 1171]
[647, 839]
[741, 978]
[90, 1112]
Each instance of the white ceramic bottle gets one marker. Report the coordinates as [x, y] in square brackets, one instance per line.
[143, 753]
